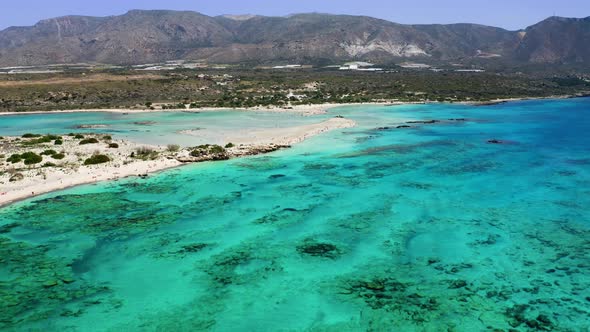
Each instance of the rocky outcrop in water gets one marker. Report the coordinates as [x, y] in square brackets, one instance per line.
[215, 152]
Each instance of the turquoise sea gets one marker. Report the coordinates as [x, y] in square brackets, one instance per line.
[374, 228]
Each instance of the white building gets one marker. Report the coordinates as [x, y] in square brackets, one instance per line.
[359, 65]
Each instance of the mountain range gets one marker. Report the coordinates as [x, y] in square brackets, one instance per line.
[141, 36]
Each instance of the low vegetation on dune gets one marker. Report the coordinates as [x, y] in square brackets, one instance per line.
[35, 139]
[207, 149]
[49, 152]
[209, 152]
[58, 156]
[88, 141]
[97, 159]
[33, 151]
[145, 153]
[28, 158]
[32, 154]
[173, 148]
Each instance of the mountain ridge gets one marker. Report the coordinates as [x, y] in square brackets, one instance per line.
[144, 36]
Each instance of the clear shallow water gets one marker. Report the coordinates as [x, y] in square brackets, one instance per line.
[416, 229]
[158, 128]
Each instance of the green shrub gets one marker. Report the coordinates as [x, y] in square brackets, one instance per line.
[49, 164]
[97, 159]
[31, 158]
[42, 139]
[29, 135]
[216, 149]
[203, 150]
[107, 138]
[48, 153]
[88, 141]
[58, 156]
[78, 136]
[229, 145]
[145, 153]
[173, 148]
[114, 146]
[58, 142]
[199, 153]
[15, 158]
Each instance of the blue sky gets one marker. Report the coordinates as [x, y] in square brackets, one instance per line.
[510, 14]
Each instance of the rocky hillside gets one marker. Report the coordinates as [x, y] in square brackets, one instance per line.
[154, 36]
[556, 39]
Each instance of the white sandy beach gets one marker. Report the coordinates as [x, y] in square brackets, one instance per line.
[61, 178]
[306, 110]
[300, 109]
[70, 171]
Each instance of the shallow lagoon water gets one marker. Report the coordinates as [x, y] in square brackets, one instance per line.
[158, 128]
[428, 228]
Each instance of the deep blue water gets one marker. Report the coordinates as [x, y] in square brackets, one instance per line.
[427, 228]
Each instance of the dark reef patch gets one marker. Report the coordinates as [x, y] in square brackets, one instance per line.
[319, 249]
[43, 286]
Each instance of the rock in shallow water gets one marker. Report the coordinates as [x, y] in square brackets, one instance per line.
[456, 284]
[319, 249]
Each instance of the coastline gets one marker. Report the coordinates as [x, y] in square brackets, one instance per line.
[507, 100]
[87, 177]
[254, 142]
[38, 181]
[304, 110]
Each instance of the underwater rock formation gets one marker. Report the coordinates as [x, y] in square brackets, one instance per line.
[319, 249]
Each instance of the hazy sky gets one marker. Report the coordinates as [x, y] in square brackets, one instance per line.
[510, 14]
